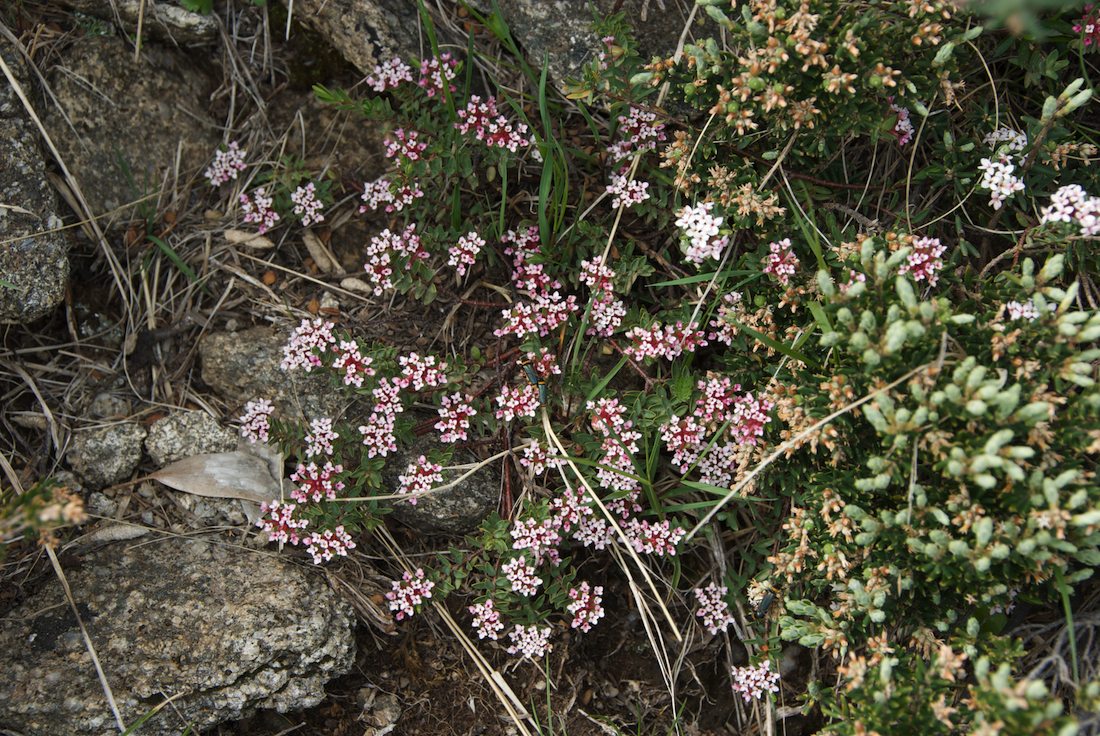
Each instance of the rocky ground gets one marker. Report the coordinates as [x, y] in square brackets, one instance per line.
[113, 364]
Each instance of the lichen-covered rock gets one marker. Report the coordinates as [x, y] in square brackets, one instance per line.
[128, 118]
[241, 366]
[106, 455]
[364, 31]
[34, 263]
[228, 630]
[163, 21]
[187, 433]
[455, 511]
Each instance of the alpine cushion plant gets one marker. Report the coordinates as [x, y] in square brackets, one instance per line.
[891, 420]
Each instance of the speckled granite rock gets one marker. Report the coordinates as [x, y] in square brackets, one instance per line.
[234, 631]
[364, 31]
[455, 511]
[34, 263]
[244, 365]
[187, 433]
[136, 111]
[106, 455]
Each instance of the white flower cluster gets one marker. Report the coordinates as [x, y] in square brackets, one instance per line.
[999, 179]
[1015, 140]
[701, 229]
[1072, 204]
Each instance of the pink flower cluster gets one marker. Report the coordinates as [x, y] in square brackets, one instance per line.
[685, 439]
[626, 192]
[419, 478]
[607, 311]
[355, 365]
[517, 402]
[522, 575]
[255, 422]
[999, 179]
[854, 277]
[701, 230]
[409, 593]
[378, 431]
[279, 523]
[316, 484]
[713, 608]
[464, 253]
[754, 682]
[668, 342]
[308, 341]
[587, 608]
[306, 205]
[1015, 141]
[924, 263]
[1072, 204]
[389, 74]
[323, 546]
[541, 537]
[659, 538]
[381, 191]
[384, 247]
[729, 311]
[638, 132]
[227, 164]
[419, 373]
[538, 457]
[486, 620]
[320, 437]
[490, 127]
[781, 261]
[541, 316]
[530, 641]
[405, 145]
[454, 418]
[903, 127]
[434, 73]
[259, 209]
[1089, 27]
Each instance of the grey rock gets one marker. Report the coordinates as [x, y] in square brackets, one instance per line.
[233, 631]
[241, 366]
[184, 434]
[455, 511]
[128, 118]
[561, 30]
[101, 457]
[364, 31]
[160, 20]
[34, 263]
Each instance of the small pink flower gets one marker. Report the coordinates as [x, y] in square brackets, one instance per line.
[279, 523]
[638, 132]
[316, 484]
[320, 437]
[924, 263]
[530, 641]
[434, 73]
[659, 538]
[464, 253]
[781, 261]
[454, 418]
[259, 209]
[255, 422]
[486, 620]
[542, 538]
[419, 478]
[538, 457]
[310, 339]
[328, 544]
[626, 192]
[420, 373]
[227, 164]
[355, 365]
[713, 608]
[389, 74]
[668, 341]
[409, 593]
[306, 205]
[378, 434]
[517, 402]
[522, 575]
[405, 145]
[754, 682]
[586, 606]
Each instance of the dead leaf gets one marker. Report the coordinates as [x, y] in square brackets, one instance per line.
[353, 284]
[222, 475]
[247, 239]
[321, 255]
